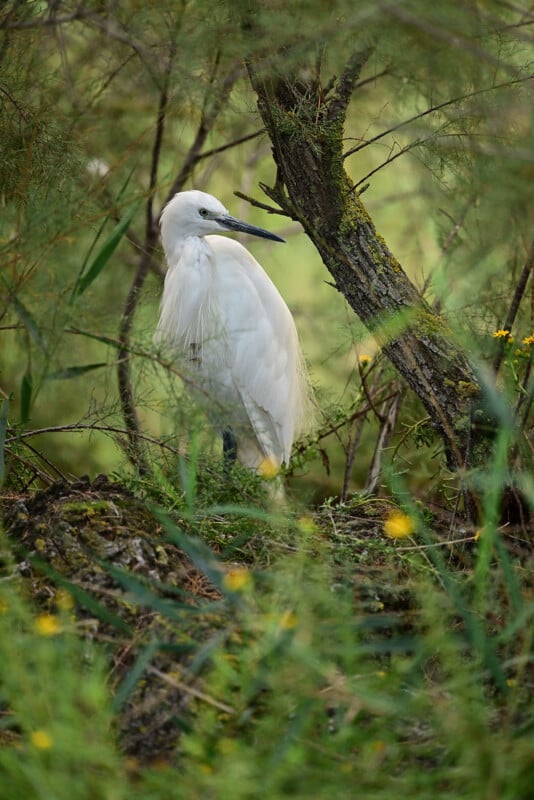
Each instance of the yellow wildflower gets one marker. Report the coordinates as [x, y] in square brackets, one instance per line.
[47, 625]
[398, 525]
[236, 579]
[364, 359]
[42, 740]
[268, 468]
[528, 340]
[502, 333]
[288, 620]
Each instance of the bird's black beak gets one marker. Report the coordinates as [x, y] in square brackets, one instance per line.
[233, 224]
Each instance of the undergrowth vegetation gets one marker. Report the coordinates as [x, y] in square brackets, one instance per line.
[366, 648]
[331, 660]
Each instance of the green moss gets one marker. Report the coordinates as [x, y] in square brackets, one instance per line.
[468, 389]
[429, 324]
[88, 508]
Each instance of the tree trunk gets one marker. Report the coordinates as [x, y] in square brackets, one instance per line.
[305, 124]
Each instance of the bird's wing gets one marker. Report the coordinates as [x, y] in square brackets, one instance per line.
[263, 349]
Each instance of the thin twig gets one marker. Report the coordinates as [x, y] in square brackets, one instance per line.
[389, 416]
[183, 687]
[390, 159]
[354, 440]
[234, 143]
[81, 426]
[258, 204]
[207, 120]
[126, 395]
[432, 110]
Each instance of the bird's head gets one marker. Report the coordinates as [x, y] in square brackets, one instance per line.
[195, 213]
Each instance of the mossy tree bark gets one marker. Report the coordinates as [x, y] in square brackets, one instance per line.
[305, 123]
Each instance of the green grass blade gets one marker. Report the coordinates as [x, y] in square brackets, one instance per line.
[26, 389]
[144, 595]
[105, 253]
[4, 409]
[99, 234]
[74, 372]
[82, 597]
[134, 675]
[198, 551]
[26, 318]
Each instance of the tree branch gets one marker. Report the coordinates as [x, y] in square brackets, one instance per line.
[136, 453]
[433, 109]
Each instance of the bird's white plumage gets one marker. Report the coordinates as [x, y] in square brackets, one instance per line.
[222, 312]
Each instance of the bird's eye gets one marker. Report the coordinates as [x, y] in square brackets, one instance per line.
[203, 212]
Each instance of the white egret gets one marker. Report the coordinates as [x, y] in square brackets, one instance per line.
[222, 312]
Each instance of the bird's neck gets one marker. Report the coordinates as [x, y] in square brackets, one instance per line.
[186, 251]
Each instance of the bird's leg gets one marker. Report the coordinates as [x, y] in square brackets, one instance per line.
[229, 449]
[195, 356]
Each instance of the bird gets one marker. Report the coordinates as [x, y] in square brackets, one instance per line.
[223, 316]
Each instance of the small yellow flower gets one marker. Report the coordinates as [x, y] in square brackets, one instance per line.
[237, 579]
[478, 534]
[288, 620]
[528, 340]
[381, 673]
[42, 740]
[502, 333]
[364, 359]
[268, 468]
[398, 525]
[47, 625]
[64, 600]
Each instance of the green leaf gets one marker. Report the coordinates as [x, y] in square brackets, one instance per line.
[74, 372]
[82, 597]
[26, 389]
[134, 675]
[105, 253]
[26, 318]
[198, 551]
[144, 595]
[99, 233]
[4, 409]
